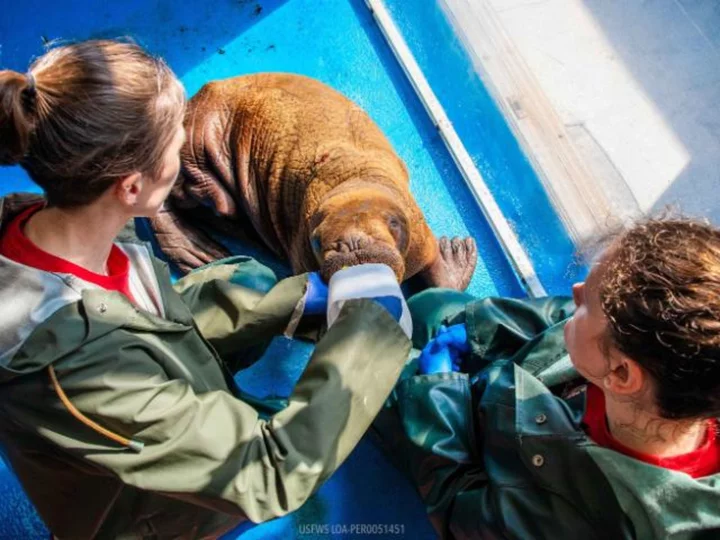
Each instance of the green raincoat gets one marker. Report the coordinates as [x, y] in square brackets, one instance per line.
[196, 460]
[500, 452]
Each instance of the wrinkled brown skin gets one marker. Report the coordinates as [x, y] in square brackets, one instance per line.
[316, 178]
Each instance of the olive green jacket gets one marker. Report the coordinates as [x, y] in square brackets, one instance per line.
[499, 452]
[197, 460]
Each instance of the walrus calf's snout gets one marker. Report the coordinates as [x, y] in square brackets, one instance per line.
[351, 242]
[372, 252]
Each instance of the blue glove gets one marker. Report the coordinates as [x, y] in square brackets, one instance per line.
[392, 304]
[443, 353]
[316, 295]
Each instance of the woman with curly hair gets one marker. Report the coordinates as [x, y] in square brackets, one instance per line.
[590, 417]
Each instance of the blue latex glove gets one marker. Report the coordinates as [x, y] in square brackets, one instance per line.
[443, 353]
[392, 304]
[316, 295]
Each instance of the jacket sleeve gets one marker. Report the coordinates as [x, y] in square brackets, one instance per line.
[232, 314]
[527, 331]
[443, 453]
[213, 449]
[442, 427]
[437, 444]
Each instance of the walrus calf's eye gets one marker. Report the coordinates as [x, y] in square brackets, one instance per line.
[397, 226]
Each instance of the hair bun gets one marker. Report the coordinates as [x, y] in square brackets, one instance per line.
[16, 122]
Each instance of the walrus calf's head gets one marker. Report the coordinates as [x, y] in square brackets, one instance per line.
[363, 225]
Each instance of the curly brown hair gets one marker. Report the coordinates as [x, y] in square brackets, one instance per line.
[660, 291]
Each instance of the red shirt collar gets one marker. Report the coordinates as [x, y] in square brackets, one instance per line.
[703, 461]
[18, 247]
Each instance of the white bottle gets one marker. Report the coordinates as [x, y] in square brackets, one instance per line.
[365, 281]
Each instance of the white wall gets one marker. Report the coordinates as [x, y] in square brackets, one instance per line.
[616, 101]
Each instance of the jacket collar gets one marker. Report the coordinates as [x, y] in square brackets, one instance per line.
[44, 315]
[614, 490]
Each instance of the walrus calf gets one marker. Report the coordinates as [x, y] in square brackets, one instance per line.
[311, 173]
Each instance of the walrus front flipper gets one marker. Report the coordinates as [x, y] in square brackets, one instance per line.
[184, 245]
[454, 266]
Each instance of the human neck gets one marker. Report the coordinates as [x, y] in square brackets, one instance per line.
[84, 236]
[648, 433]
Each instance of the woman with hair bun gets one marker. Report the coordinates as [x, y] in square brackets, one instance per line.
[118, 411]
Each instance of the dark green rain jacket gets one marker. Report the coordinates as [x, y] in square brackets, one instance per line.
[500, 453]
[151, 441]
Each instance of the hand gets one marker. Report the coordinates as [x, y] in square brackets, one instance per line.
[316, 295]
[443, 353]
[454, 336]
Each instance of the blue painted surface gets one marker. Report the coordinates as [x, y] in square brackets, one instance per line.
[337, 42]
[489, 140]
[18, 518]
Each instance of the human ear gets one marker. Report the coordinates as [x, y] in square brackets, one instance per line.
[626, 376]
[128, 189]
